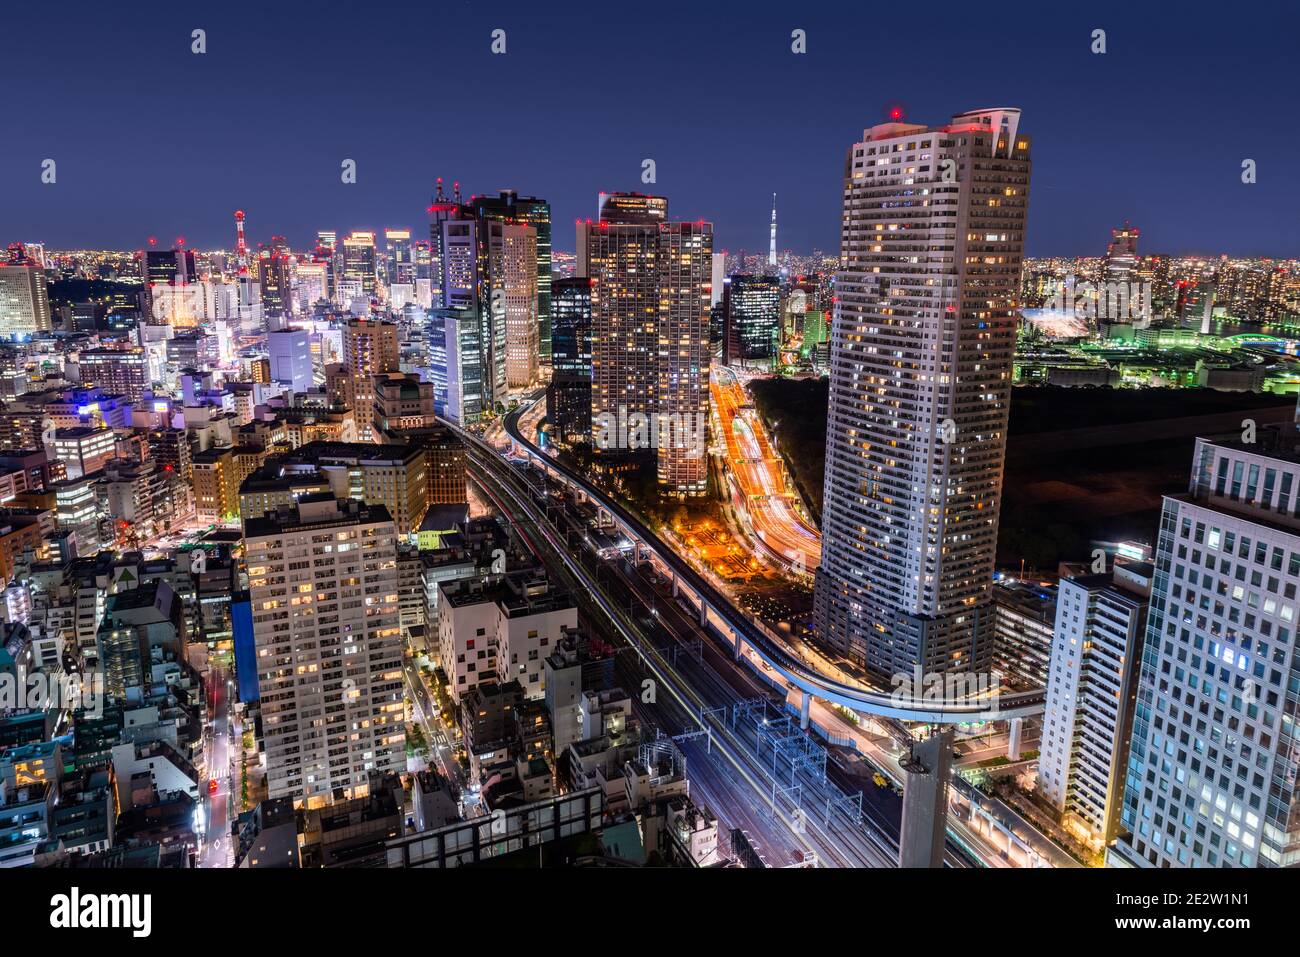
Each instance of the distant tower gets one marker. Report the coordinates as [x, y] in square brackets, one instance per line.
[771, 246]
[241, 248]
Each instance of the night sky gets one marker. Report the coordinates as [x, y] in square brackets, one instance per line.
[151, 139]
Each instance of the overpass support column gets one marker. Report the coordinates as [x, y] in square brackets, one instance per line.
[676, 588]
[1013, 738]
[803, 711]
[735, 637]
[704, 613]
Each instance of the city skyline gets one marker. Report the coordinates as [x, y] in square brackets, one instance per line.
[362, 513]
[1107, 157]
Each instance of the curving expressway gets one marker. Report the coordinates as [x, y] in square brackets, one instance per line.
[758, 479]
[742, 632]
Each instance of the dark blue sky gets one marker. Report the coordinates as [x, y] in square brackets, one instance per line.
[153, 140]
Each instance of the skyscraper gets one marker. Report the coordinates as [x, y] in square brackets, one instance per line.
[509, 206]
[753, 319]
[24, 296]
[273, 273]
[921, 366]
[370, 347]
[519, 302]
[1211, 778]
[400, 263]
[330, 682]
[568, 398]
[650, 289]
[359, 260]
[1121, 254]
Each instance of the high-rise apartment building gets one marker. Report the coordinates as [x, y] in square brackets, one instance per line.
[323, 588]
[650, 291]
[1211, 777]
[1091, 687]
[921, 367]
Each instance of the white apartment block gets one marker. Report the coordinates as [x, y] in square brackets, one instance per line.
[323, 586]
[921, 366]
[1091, 685]
[1211, 778]
[500, 628]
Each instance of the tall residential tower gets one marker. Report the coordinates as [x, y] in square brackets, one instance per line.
[921, 365]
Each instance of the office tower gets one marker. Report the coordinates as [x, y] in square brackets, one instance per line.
[719, 278]
[24, 296]
[1211, 778]
[509, 206]
[446, 465]
[519, 301]
[753, 320]
[330, 682]
[290, 354]
[568, 397]
[370, 347]
[649, 332]
[401, 266]
[115, 371]
[456, 365]
[311, 285]
[1121, 254]
[441, 209]
[170, 266]
[921, 365]
[1091, 687]
[274, 277]
[326, 254]
[359, 261]
[631, 208]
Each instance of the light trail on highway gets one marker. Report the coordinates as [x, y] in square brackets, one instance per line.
[758, 479]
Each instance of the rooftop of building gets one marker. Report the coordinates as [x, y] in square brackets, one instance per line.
[313, 510]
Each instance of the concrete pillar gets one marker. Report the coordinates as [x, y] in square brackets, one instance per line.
[735, 635]
[676, 586]
[1013, 739]
[923, 830]
[803, 711]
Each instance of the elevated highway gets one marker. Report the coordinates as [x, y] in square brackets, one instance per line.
[743, 633]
